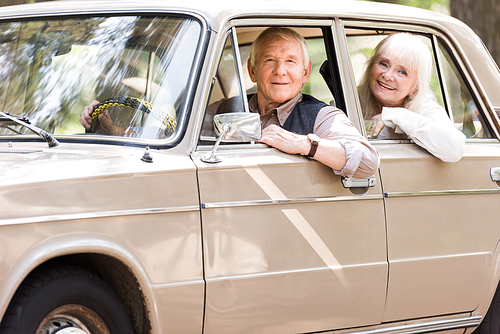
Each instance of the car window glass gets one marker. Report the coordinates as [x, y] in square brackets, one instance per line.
[225, 96]
[466, 114]
[51, 70]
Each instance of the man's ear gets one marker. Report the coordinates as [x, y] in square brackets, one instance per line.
[307, 72]
[251, 70]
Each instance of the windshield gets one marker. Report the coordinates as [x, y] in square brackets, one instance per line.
[51, 69]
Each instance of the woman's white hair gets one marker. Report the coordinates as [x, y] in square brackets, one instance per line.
[413, 52]
[276, 33]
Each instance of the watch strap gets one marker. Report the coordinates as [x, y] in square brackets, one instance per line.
[314, 147]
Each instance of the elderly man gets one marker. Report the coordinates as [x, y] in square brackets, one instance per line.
[293, 123]
[300, 124]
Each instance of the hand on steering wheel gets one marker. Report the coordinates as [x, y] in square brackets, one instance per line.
[168, 123]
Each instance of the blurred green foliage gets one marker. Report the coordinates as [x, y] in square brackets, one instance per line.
[441, 6]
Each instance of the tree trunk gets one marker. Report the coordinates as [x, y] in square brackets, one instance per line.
[12, 2]
[483, 17]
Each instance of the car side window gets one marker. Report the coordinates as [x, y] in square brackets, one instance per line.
[465, 112]
[226, 93]
[447, 83]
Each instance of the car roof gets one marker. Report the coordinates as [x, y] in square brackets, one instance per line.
[220, 11]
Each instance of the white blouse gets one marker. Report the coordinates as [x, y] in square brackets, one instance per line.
[429, 127]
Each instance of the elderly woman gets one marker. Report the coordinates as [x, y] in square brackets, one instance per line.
[396, 95]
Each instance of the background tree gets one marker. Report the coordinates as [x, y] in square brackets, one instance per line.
[441, 6]
[483, 17]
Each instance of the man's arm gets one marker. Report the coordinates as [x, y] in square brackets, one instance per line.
[341, 147]
[329, 152]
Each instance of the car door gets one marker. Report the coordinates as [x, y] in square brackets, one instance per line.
[287, 247]
[441, 227]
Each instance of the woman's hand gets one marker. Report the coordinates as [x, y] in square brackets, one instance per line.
[379, 125]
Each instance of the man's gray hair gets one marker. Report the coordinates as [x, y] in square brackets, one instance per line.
[275, 33]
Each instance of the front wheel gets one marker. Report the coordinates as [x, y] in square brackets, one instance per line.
[65, 299]
[491, 322]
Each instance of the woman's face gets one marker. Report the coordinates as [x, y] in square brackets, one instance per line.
[391, 81]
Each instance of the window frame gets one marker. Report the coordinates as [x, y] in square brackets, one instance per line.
[433, 33]
[230, 29]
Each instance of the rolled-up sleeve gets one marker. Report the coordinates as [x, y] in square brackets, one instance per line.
[362, 159]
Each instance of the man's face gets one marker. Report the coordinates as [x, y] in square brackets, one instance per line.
[279, 71]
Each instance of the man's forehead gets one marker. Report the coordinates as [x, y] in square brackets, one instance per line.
[271, 46]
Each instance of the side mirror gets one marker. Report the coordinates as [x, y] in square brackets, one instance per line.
[236, 127]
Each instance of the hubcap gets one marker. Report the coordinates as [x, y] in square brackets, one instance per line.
[72, 319]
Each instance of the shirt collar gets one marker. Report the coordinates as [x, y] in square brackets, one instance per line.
[282, 112]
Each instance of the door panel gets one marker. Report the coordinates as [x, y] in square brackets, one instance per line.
[287, 246]
[442, 228]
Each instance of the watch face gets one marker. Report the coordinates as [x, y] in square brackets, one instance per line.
[312, 137]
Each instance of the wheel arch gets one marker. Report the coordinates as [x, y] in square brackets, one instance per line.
[106, 258]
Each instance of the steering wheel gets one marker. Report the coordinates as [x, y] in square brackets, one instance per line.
[169, 123]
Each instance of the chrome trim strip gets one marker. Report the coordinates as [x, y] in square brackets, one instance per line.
[177, 284]
[427, 327]
[441, 192]
[426, 258]
[219, 205]
[288, 272]
[101, 214]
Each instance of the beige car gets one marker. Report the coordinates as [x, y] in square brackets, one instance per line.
[184, 224]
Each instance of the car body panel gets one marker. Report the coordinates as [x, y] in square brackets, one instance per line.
[119, 212]
[293, 240]
[429, 248]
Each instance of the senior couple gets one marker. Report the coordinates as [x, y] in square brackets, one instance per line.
[300, 124]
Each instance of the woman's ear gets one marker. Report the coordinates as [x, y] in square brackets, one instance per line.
[415, 90]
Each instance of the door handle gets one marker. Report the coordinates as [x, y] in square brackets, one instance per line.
[363, 183]
[495, 174]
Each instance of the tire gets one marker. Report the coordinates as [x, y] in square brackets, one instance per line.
[65, 299]
[491, 322]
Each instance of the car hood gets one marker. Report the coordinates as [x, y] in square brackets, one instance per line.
[77, 178]
[35, 162]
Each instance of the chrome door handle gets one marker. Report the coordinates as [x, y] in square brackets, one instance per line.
[495, 174]
[360, 183]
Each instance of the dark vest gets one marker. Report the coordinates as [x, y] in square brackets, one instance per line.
[301, 120]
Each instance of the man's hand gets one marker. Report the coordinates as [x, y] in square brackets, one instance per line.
[105, 123]
[330, 152]
[284, 140]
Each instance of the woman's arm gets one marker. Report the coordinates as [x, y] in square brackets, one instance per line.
[429, 128]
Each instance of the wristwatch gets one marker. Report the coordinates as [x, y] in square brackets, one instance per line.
[314, 144]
